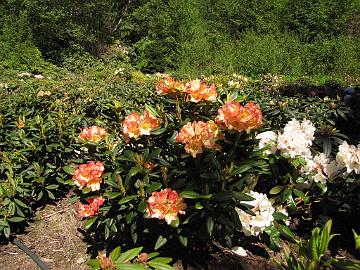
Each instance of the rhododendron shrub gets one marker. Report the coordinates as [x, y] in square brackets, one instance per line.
[196, 167]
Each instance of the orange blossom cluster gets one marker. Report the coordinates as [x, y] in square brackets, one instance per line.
[196, 135]
[238, 117]
[165, 204]
[93, 134]
[197, 90]
[90, 209]
[89, 175]
[136, 125]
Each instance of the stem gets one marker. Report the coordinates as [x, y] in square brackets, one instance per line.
[232, 152]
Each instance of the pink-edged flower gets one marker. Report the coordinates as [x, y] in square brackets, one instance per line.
[169, 86]
[93, 134]
[196, 135]
[148, 122]
[90, 209]
[238, 117]
[131, 126]
[89, 175]
[200, 91]
[165, 204]
[136, 125]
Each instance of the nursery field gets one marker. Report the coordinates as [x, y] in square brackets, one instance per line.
[112, 168]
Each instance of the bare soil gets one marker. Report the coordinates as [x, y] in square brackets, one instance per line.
[53, 236]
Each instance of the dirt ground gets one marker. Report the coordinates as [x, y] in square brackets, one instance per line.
[53, 236]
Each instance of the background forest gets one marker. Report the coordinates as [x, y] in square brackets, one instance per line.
[290, 37]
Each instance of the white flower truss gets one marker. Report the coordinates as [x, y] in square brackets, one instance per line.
[254, 225]
[349, 157]
[268, 139]
[297, 138]
[321, 167]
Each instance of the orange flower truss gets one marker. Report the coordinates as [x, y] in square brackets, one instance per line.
[240, 118]
[169, 86]
[93, 134]
[90, 209]
[89, 175]
[149, 165]
[199, 91]
[165, 204]
[196, 135]
[135, 125]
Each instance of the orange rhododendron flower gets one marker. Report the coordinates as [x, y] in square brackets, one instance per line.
[196, 135]
[240, 118]
[165, 204]
[135, 125]
[93, 134]
[90, 209]
[199, 91]
[149, 165]
[169, 86]
[89, 175]
[148, 122]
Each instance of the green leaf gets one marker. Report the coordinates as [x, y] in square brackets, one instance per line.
[128, 266]
[276, 190]
[224, 196]
[50, 195]
[153, 187]
[129, 255]
[114, 255]
[130, 155]
[158, 131]
[210, 225]
[280, 216]
[160, 266]
[162, 260]
[16, 219]
[241, 169]
[152, 110]
[183, 240]
[242, 196]
[199, 206]
[53, 186]
[89, 222]
[357, 240]
[23, 205]
[112, 195]
[133, 171]
[188, 194]
[127, 199]
[94, 264]
[69, 170]
[160, 242]
[298, 193]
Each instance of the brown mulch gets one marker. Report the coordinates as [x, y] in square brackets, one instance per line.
[53, 236]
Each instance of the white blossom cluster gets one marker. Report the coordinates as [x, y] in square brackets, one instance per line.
[254, 225]
[296, 140]
[349, 157]
[321, 167]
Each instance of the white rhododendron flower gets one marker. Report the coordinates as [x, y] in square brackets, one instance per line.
[322, 167]
[239, 251]
[297, 138]
[254, 225]
[268, 139]
[349, 157]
